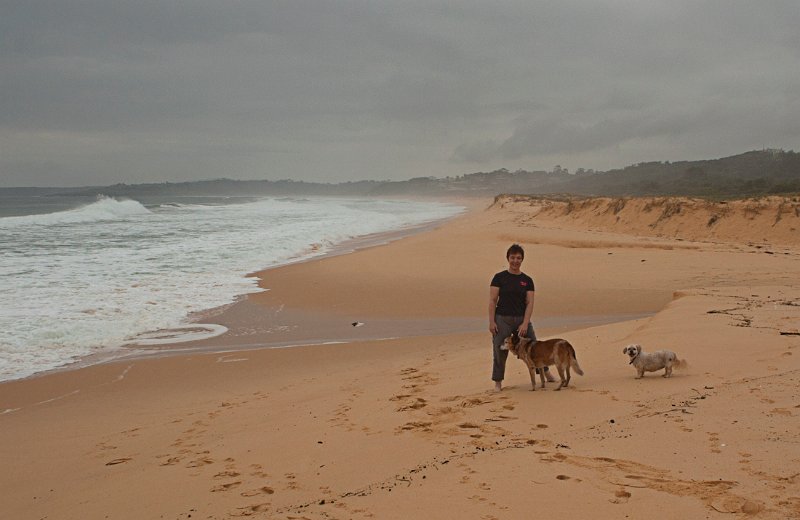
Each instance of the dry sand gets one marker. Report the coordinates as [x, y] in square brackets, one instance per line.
[408, 427]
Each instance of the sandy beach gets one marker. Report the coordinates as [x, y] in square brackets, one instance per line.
[397, 419]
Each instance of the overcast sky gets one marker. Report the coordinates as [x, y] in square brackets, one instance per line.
[97, 92]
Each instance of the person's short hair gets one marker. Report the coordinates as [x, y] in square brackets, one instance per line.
[515, 249]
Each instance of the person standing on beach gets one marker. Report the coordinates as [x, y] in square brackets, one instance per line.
[510, 309]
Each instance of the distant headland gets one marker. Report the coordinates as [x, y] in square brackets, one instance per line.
[754, 173]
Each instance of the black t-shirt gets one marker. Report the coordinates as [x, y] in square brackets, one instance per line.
[513, 292]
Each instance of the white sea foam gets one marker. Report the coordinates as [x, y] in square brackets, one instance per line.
[95, 277]
[179, 334]
[104, 209]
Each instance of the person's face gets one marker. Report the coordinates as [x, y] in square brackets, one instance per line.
[514, 261]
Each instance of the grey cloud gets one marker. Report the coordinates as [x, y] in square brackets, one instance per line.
[140, 91]
[715, 125]
[477, 152]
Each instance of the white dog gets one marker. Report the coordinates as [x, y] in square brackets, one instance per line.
[650, 362]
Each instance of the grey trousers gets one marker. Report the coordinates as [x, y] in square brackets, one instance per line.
[505, 326]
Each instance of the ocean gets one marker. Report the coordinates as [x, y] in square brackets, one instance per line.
[81, 276]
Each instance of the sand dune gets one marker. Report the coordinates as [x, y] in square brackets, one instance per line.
[408, 427]
[759, 221]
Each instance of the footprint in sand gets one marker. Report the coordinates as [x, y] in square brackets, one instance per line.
[417, 425]
[475, 401]
[713, 440]
[503, 408]
[620, 497]
[258, 471]
[226, 487]
[121, 460]
[414, 405]
[260, 491]
[415, 376]
[735, 504]
[291, 482]
[445, 410]
[198, 463]
[416, 381]
[452, 398]
[499, 418]
[251, 510]
[227, 474]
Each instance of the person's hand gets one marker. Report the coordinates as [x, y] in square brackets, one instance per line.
[493, 327]
[522, 330]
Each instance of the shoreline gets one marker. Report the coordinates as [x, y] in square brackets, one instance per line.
[204, 318]
[347, 334]
[344, 334]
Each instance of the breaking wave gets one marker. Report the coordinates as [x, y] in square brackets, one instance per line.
[103, 209]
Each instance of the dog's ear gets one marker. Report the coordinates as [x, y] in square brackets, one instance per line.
[625, 350]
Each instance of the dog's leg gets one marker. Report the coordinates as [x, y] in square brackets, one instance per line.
[532, 372]
[668, 370]
[541, 375]
[563, 382]
[569, 376]
[641, 373]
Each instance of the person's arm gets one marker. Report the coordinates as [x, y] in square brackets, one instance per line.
[523, 327]
[494, 296]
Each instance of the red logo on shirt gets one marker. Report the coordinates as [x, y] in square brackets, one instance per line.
[523, 283]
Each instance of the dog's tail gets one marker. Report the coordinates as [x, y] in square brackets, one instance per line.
[573, 359]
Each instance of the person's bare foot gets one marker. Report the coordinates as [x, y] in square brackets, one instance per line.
[498, 386]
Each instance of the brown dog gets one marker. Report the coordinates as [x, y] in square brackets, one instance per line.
[539, 354]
